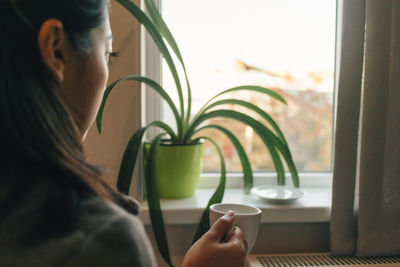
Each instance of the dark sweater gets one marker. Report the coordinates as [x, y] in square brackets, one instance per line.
[105, 235]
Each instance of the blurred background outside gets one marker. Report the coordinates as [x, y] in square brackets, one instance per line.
[285, 45]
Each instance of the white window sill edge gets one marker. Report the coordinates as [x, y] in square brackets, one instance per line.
[314, 207]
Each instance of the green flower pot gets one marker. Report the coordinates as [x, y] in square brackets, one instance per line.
[177, 169]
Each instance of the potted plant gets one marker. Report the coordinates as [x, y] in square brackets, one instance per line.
[165, 150]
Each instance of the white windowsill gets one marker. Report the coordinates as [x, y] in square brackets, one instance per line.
[314, 207]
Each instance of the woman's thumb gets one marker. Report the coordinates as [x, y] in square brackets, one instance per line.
[222, 226]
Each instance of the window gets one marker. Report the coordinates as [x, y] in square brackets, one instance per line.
[286, 45]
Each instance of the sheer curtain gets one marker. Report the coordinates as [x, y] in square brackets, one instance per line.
[366, 176]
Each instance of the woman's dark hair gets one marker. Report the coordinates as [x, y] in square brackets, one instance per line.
[39, 140]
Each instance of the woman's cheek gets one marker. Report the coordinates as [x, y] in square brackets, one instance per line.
[101, 82]
[97, 77]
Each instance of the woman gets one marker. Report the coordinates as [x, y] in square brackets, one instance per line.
[55, 210]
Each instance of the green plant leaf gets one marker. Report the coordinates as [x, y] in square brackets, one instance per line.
[267, 136]
[129, 160]
[158, 40]
[99, 116]
[217, 197]
[252, 107]
[244, 160]
[166, 33]
[162, 27]
[130, 155]
[254, 88]
[154, 85]
[153, 200]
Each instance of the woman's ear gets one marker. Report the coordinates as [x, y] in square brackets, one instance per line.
[53, 47]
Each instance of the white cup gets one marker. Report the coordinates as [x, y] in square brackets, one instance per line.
[247, 219]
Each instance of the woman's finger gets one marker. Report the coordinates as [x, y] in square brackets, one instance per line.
[246, 245]
[236, 236]
[222, 226]
[237, 242]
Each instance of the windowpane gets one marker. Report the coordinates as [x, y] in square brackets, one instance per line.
[285, 45]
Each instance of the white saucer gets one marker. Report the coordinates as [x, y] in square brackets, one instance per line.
[278, 193]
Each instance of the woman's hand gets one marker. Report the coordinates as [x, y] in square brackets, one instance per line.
[211, 249]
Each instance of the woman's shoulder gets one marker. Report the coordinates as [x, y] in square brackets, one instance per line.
[97, 213]
[105, 235]
[111, 236]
